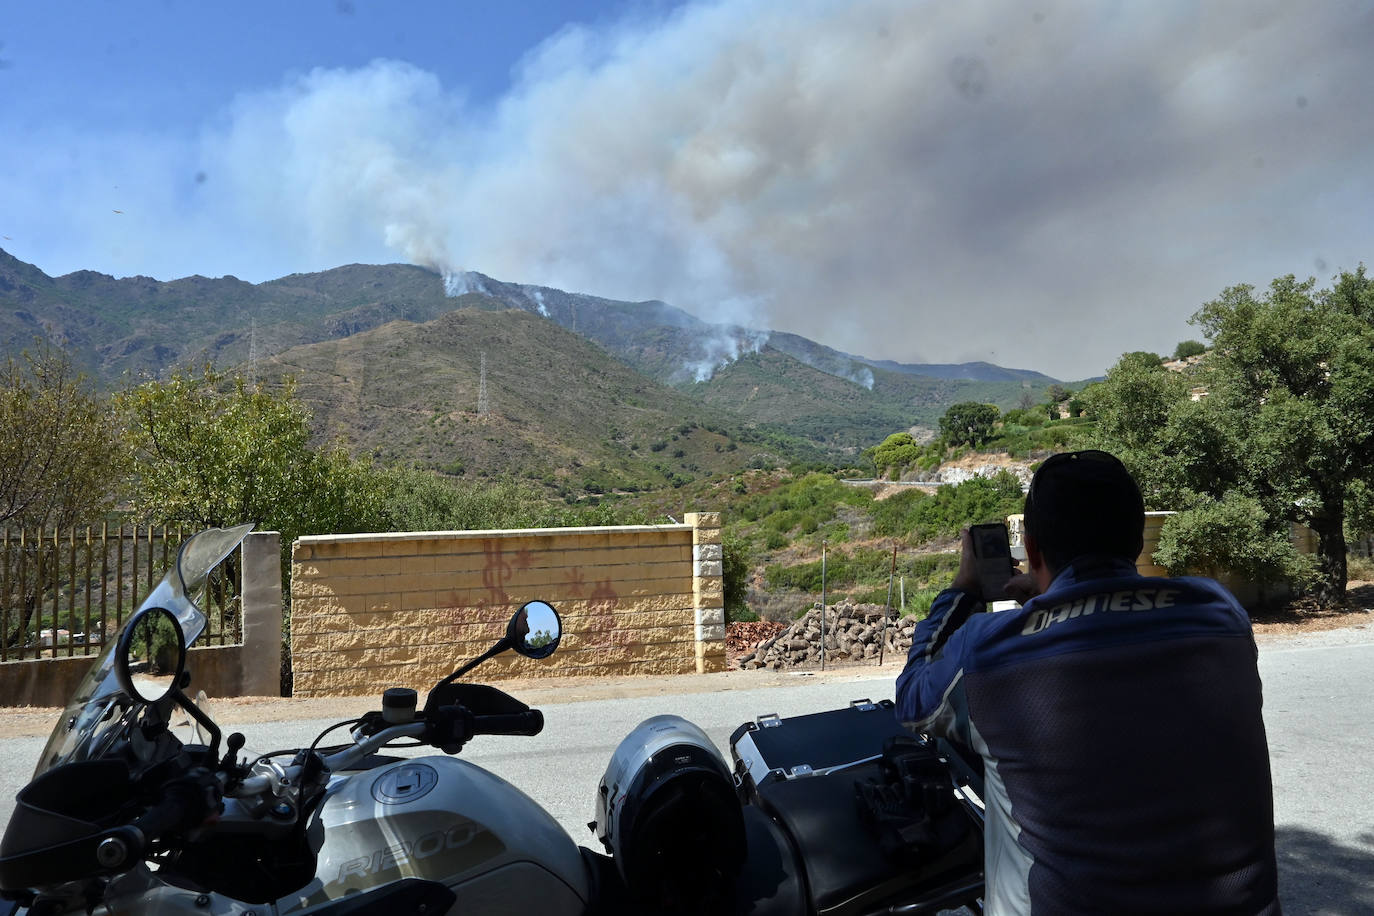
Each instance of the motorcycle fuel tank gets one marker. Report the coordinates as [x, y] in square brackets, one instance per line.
[446, 821]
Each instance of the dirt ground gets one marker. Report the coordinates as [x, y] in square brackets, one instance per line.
[1272, 627]
[1304, 616]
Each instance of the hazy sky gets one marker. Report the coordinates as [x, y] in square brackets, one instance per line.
[1041, 185]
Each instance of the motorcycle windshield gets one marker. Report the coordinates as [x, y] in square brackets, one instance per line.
[99, 711]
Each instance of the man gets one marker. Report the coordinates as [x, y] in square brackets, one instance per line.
[1118, 716]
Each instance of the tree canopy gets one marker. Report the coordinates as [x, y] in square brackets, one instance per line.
[1188, 348]
[969, 423]
[1055, 394]
[897, 450]
[1284, 432]
[211, 451]
[61, 459]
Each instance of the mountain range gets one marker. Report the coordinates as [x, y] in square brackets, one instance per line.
[389, 356]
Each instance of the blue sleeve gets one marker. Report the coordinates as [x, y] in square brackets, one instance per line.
[925, 688]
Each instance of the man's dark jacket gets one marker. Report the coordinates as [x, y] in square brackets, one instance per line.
[1118, 718]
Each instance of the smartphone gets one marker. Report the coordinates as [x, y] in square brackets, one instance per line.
[992, 559]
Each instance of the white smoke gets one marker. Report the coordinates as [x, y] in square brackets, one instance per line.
[862, 375]
[838, 168]
[462, 282]
[723, 347]
[537, 295]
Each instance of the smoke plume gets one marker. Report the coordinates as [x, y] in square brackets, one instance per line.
[1041, 186]
[723, 345]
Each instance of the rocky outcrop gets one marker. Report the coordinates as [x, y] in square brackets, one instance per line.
[953, 475]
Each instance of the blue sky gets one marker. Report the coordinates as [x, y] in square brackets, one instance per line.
[165, 64]
[1041, 186]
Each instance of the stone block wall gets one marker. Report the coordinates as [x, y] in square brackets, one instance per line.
[371, 611]
[1145, 564]
[708, 564]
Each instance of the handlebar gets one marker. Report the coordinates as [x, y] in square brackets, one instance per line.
[186, 803]
[528, 723]
[166, 816]
[363, 746]
[447, 728]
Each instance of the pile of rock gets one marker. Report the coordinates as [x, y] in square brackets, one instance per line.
[852, 632]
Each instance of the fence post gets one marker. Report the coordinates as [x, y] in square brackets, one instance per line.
[261, 594]
[708, 590]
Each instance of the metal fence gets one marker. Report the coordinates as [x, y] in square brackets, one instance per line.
[64, 593]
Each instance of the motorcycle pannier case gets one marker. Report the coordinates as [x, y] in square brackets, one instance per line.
[869, 808]
[666, 810]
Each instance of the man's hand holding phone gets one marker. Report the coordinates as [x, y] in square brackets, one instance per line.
[986, 568]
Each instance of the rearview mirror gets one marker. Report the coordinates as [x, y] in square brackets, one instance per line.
[535, 630]
[151, 655]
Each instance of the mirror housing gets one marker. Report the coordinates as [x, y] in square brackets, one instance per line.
[151, 655]
[535, 630]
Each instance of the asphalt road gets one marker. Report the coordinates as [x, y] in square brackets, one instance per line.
[1319, 710]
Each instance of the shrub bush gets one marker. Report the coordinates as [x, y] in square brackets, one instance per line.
[918, 603]
[919, 517]
[1187, 348]
[1231, 534]
[735, 565]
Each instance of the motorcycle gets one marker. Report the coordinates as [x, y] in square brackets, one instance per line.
[836, 813]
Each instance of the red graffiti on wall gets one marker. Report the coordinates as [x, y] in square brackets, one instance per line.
[496, 573]
[462, 619]
[573, 582]
[602, 630]
[604, 597]
[598, 628]
[494, 606]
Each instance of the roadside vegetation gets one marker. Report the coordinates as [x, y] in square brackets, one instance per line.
[1267, 424]
[781, 525]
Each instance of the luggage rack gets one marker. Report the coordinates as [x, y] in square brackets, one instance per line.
[843, 788]
[750, 756]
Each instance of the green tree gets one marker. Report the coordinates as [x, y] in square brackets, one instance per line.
[417, 500]
[918, 517]
[735, 578]
[896, 451]
[1132, 408]
[1232, 534]
[61, 464]
[61, 458]
[969, 423]
[1187, 348]
[211, 452]
[1293, 381]
[1287, 422]
[1359, 505]
[1057, 393]
[1142, 359]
